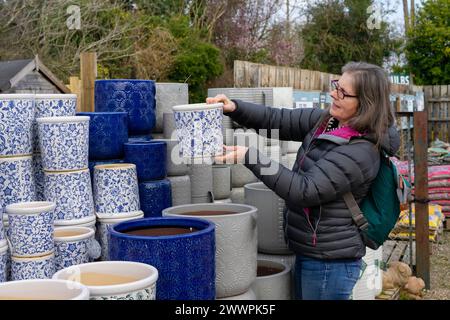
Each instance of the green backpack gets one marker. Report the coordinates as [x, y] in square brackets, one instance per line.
[380, 209]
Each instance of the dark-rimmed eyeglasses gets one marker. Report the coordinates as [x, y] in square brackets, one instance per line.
[340, 92]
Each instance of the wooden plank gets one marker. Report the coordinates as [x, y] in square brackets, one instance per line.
[398, 252]
[445, 104]
[88, 70]
[406, 256]
[388, 247]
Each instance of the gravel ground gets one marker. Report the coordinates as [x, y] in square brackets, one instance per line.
[440, 270]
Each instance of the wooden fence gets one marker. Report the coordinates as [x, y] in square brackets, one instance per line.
[437, 102]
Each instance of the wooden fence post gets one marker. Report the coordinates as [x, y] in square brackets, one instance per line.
[88, 73]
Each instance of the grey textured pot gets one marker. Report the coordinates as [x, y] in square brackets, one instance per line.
[221, 181]
[270, 218]
[238, 195]
[227, 130]
[169, 126]
[167, 96]
[176, 165]
[236, 243]
[209, 198]
[181, 190]
[248, 295]
[240, 176]
[223, 201]
[275, 284]
[284, 146]
[288, 260]
[201, 180]
[293, 146]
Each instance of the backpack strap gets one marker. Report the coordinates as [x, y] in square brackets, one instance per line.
[357, 215]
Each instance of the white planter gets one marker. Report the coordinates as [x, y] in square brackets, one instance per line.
[248, 295]
[4, 254]
[30, 231]
[199, 129]
[64, 142]
[141, 284]
[72, 193]
[17, 116]
[236, 243]
[43, 289]
[273, 283]
[84, 222]
[32, 268]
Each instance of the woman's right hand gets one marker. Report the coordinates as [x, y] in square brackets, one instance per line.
[228, 105]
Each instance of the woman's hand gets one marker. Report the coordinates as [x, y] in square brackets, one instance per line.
[228, 105]
[232, 155]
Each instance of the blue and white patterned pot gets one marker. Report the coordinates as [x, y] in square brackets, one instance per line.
[64, 142]
[52, 105]
[16, 120]
[32, 268]
[30, 231]
[149, 158]
[3, 261]
[199, 129]
[38, 172]
[72, 193]
[116, 192]
[75, 245]
[108, 131]
[93, 163]
[154, 197]
[102, 232]
[16, 180]
[88, 222]
[142, 284]
[2, 233]
[186, 262]
[136, 97]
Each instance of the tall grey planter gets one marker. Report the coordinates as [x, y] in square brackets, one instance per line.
[201, 180]
[240, 176]
[238, 195]
[221, 182]
[176, 165]
[181, 190]
[169, 126]
[167, 96]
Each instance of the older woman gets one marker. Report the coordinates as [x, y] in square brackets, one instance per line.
[318, 224]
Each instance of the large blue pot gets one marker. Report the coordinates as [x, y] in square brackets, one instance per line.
[108, 131]
[155, 196]
[149, 158]
[137, 97]
[140, 138]
[185, 262]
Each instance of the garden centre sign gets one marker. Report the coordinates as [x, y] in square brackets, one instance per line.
[399, 78]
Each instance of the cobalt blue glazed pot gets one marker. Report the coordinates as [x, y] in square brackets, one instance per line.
[108, 131]
[149, 158]
[185, 261]
[140, 138]
[155, 196]
[137, 97]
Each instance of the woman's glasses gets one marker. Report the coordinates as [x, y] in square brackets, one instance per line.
[340, 92]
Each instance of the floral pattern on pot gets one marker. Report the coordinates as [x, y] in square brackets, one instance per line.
[38, 172]
[145, 294]
[76, 252]
[136, 97]
[72, 193]
[2, 234]
[32, 268]
[31, 235]
[52, 105]
[3, 263]
[16, 180]
[16, 119]
[199, 132]
[149, 158]
[64, 144]
[115, 189]
[108, 131]
[155, 196]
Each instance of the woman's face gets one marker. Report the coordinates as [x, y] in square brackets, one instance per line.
[346, 108]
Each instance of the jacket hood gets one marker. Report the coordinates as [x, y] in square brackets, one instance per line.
[390, 143]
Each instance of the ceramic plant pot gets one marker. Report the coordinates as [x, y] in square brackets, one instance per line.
[38, 172]
[201, 180]
[223, 201]
[4, 255]
[17, 116]
[32, 268]
[270, 218]
[248, 295]
[236, 243]
[102, 232]
[52, 105]
[116, 191]
[136, 97]
[149, 158]
[240, 176]
[2, 234]
[30, 231]
[176, 165]
[93, 163]
[140, 138]
[114, 280]
[155, 196]
[227, 130]
[108, 131]
[185, 261]
[180, 189]
[273, 281]
[221, 182]
[43, 289]
[238, 195]
[72, 193]
[293, 146]
[16, 180]
[167, 96]
[88, 222]
[64, 143]
[169, 126]
[199, 129]
[75, 245]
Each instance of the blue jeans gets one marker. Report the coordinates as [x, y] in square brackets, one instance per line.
[325, 279]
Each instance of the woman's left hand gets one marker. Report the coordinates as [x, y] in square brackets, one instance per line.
[232, 155]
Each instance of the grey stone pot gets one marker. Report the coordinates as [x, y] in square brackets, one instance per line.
[238, 195]
[221, 181]
[169, 126]
[206, 199]
[201, 180]
[248, 295]
[223, 201]
[227, 130]
[274, 286]
[167, 96]
[181, 190]
[236, 244]
[293, 146]
[240, 176]
[270, 218]
[176, 165]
